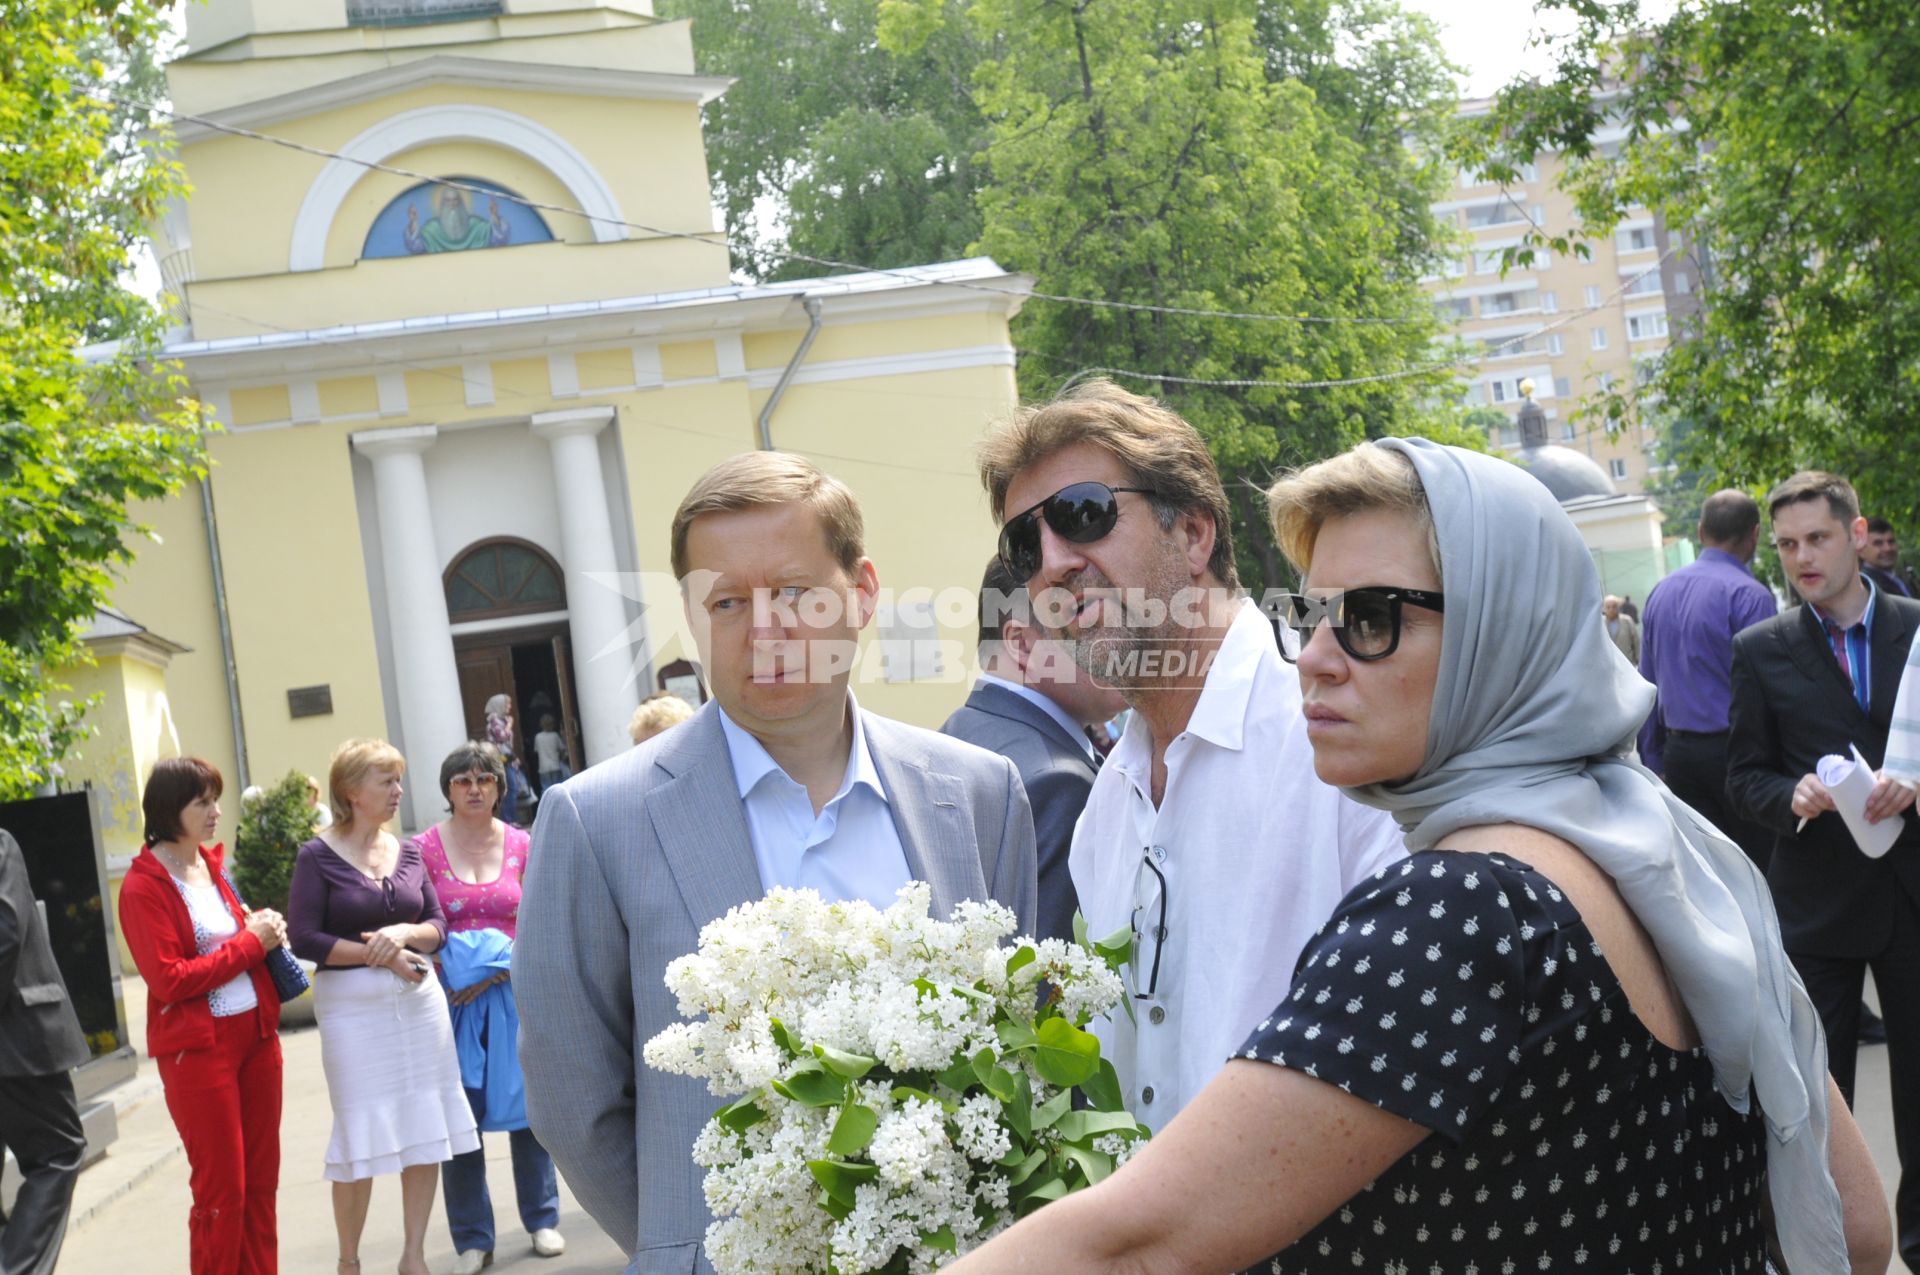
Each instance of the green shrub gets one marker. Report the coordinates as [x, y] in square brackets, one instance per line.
[272, 829]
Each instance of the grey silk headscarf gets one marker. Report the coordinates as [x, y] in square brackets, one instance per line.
[1533, 722]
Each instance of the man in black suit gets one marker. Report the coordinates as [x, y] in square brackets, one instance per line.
[1033, 706]
[40, 1043]
[1818, 680]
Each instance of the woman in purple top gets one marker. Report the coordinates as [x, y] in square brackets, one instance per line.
[361, 907]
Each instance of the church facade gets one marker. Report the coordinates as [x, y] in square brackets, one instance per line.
[468, 329]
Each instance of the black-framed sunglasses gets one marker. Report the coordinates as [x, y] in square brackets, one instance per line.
[1079, 513]
[1366, 621]
[1149, 901]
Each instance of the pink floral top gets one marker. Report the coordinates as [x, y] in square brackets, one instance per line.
[495, 905]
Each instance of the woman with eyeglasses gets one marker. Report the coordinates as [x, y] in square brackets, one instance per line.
[476, 863]
[362, 909]
[1563, 1032]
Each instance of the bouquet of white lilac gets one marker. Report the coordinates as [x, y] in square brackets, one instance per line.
[905, 1085]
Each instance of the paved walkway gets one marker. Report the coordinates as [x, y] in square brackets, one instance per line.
[132, 1205]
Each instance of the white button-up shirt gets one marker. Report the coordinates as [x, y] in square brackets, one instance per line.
[850, 850]
[1256, 853]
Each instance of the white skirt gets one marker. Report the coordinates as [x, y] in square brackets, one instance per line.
[392, 1073]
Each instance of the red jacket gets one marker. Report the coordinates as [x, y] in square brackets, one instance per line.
[159, 932]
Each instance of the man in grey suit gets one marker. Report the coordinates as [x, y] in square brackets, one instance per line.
[782, 780]
[40, 1043]
[1033, 705]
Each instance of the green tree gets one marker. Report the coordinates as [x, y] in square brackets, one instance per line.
[272, 828]
[1170, 154]
[855, 153]
[84, 430]
[1776, 139]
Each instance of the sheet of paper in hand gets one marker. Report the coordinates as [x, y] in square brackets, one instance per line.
[1850, 780]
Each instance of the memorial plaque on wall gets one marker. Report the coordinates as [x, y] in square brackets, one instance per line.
[310, 701]
[66, 868]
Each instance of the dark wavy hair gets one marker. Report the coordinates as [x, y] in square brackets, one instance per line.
[175, 784]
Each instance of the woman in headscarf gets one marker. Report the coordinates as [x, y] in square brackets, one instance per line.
[1563, 1031]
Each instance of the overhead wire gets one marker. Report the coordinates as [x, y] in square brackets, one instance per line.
[910, 274]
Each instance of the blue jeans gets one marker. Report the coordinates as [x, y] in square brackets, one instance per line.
[470, 1206]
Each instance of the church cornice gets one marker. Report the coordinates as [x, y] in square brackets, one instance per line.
[955, 287]
[443, 68]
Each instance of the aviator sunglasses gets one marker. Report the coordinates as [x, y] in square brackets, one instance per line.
[1079, 514]
[1366, 621]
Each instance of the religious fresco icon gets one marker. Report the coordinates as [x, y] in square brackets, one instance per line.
[435, 217]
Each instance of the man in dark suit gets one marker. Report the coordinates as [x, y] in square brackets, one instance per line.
[1817, 680]
[40, 1043]
[1033, 705]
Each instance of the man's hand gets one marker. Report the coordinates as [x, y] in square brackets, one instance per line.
[1811, 798]
[1889, 797]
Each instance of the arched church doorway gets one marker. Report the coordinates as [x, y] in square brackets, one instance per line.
[507, 602]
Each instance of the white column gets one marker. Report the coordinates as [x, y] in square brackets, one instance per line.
[432, 723]
[596, 611]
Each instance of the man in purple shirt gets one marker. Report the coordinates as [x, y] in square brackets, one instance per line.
[1686, 651]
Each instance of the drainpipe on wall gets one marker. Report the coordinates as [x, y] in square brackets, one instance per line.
[226, 632]
[812, 306]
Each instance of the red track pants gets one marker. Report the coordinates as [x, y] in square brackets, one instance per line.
[226, 1104]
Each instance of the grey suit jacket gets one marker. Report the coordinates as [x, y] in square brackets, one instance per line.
[1057, 772]
[39, 1034]
[629, 860]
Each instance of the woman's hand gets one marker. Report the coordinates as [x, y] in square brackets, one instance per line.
[466, 995]
[269, 927]
[409, 966]
[384, 944]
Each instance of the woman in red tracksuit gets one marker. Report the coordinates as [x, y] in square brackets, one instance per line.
[213, 1018]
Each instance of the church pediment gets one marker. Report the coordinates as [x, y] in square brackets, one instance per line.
[452, 69]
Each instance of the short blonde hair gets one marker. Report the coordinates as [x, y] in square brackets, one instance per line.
[352, 762]
[656, 713]
[1367, 478]
[752, 480]
[1158, 446]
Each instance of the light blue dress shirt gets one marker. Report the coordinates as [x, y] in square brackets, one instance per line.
[850, 850]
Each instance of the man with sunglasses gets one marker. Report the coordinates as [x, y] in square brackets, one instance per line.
[1207, 833]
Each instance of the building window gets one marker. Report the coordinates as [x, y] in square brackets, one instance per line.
[1647, 282]
[503, 576]
[1506, 302]
[1599, 338]
[1554, 344]
[1593, 296]
[1617, 468]
[392, 13]
[1500, 390]
[1549, 303]
[1562, 387]
[1682, 282]
[1450, 308]
[1501, 212]
[1645, 327]
[1568, 431]
[1637, 239]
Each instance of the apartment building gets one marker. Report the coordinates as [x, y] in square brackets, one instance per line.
[1572, 325]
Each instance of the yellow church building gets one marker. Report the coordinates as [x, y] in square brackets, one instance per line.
[469, 332]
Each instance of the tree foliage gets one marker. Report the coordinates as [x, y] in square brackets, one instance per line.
[272, 828]
[859, 154]
[1221, 155]
[1778, 138]
[83, 432]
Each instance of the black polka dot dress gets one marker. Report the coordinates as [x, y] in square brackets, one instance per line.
[1463, 992]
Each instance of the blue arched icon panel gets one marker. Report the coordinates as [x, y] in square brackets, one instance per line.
[435, 217]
